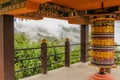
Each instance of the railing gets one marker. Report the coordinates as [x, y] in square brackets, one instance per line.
[31, 61]
[27, 62]
[75, 54]
[55, 57]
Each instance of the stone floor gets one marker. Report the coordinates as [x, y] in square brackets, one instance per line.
[78, 71]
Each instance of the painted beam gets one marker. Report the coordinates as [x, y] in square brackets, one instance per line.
[4, 1]
[50, 10]
[77, 20]
[21, 7]
[17, 8]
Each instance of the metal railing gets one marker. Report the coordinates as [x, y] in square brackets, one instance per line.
[55, 57]
[31, 61]
[75, 54]
[27, 62]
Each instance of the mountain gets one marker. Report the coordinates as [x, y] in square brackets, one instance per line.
[48, 28]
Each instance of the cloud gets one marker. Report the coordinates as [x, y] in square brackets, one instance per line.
[45, 27]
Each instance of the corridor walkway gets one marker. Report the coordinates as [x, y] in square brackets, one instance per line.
[78, 71]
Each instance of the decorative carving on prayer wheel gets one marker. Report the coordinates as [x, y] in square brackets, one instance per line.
[103, 25]
[102, 56]
[105, 41]
[102, 29]
[102, 40]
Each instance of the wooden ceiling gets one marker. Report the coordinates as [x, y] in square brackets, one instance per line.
[81, 5]
[86, 4]
[74, 10]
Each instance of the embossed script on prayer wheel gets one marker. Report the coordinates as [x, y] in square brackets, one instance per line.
[102, 40]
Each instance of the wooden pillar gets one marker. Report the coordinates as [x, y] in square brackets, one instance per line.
[6, 47]
[84, 43]
[67, 53]
[44, 56]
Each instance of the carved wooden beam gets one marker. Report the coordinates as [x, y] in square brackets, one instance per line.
[21, 7]
[4, 1]
[50, 10]
[56, 11]
[14, 8]
[39, 15]
[77, 20]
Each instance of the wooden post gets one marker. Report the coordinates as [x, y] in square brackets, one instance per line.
[84, 43]
[108, 70]
[44, 56]
[6, 47]
[67, 52]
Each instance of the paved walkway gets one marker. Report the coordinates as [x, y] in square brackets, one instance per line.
[79, 71]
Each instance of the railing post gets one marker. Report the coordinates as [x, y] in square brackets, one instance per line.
[44, 56]
[84, 43]
[67, 52]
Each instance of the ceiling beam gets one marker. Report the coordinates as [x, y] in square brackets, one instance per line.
[4, 1]
[20, 6]
[77, 20]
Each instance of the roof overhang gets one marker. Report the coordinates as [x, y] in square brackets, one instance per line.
[86, 4]
[71, 10]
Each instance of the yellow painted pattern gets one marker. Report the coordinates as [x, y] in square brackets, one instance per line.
[102, 54]
[102, 41]
[102, 29]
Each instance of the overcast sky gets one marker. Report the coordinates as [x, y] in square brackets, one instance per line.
[51, 27]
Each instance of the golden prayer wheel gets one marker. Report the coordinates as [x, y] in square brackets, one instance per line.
[102, 40]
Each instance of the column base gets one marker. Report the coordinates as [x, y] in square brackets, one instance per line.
[101, 77]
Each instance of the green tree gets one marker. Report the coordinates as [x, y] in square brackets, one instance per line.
[24, 57]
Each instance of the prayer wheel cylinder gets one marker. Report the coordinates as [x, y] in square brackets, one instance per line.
[102, 40]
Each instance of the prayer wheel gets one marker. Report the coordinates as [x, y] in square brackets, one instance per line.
[102, 40]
